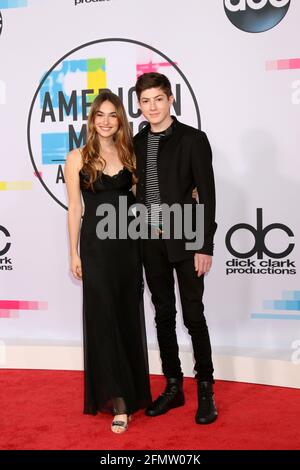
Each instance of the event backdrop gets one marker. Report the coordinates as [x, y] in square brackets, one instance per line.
[234, 66]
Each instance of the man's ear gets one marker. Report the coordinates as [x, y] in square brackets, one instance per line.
[171, 99]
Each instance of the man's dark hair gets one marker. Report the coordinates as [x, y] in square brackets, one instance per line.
[153, 80]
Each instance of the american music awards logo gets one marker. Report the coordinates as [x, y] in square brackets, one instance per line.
[60, 105]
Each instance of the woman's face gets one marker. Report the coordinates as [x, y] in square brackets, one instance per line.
[106, 121]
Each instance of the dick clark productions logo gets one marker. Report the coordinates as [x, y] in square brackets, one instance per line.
[268, 261]
[256, 16]
[5, 262]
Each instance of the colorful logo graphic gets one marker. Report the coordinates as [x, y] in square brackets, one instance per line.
[59, 110]
[12, 308]
[15, 185]
[53, 101]
[290, 302]
[283, 64]
[256, 16]
[12, 4]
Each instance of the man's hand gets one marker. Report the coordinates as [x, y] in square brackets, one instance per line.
[202, 263]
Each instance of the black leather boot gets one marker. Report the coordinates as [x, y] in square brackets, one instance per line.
[207, 411]
[172, 397]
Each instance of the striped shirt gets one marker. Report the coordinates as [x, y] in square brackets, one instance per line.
[153, 200]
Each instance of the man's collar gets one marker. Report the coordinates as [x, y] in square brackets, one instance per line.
[167, 132]
[144, 132]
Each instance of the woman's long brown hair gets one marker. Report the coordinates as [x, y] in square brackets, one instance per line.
[93, 162]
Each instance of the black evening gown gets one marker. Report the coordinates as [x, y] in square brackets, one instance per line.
[116, 374]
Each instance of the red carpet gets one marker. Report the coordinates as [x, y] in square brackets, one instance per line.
[43, 410]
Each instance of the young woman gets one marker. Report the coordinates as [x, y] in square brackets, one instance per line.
[116, 374]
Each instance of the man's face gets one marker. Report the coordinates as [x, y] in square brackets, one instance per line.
[155, 105]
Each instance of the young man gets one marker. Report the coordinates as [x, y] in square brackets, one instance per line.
[173, 158]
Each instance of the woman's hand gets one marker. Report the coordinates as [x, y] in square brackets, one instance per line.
[76, 267]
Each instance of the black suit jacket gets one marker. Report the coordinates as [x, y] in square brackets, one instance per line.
[184, 162]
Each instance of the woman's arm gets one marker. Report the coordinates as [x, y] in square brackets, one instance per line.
[71, 173]
[133, 189]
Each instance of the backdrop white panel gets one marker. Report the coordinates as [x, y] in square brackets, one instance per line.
[235, 71]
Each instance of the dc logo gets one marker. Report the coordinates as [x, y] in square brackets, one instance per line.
[256, 16]
[6, 247]
[259, 234]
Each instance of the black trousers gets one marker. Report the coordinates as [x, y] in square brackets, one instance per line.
[160, 279]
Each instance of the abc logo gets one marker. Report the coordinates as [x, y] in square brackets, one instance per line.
[256, 16]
